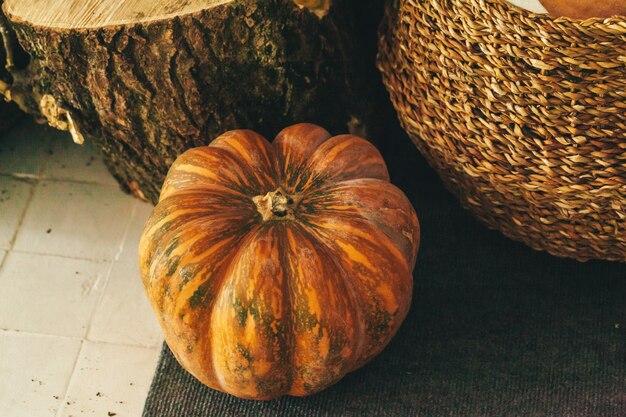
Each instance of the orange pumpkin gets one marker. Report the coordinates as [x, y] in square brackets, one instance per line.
[275, 269]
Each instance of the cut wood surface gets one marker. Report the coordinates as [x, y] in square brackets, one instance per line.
[147, 80]
[74, 14]
[9, 112]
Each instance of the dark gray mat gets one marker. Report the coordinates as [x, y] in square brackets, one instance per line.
[495, 329]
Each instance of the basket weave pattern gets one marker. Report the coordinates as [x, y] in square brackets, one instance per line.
[522, 115]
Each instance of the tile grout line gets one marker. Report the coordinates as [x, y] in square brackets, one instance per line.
[83, 343]
[35, 183]
[4, 258]
[76, 258]
[131, 218]
[81, 339]
[156, 349]
[116, 257]
[31, 333]
[64, 401]
[38, 177]
[29, 199]
[128, 345]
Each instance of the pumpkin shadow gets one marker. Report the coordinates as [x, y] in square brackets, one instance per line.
[495, 329]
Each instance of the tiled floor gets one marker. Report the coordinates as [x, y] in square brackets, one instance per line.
[77, 336]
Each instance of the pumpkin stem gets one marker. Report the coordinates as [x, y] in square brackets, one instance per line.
[275, 205]
[279, 204]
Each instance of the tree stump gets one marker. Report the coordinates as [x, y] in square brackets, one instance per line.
[147, 80]
[9, 112]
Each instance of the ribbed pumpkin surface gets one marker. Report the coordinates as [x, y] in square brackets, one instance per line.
[275, 269]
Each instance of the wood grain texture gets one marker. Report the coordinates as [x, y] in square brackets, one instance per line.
[10, 56]
[146, 91]
[259, 306]
[83, 14]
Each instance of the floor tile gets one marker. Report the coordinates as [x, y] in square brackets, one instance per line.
[124, 314]
[24, 148]
[76, 220]
[110, 380]
[64, 228]
[14, 195]
[69, 161]
[56, 295]
[124, 296]
[35, 372]
[141, 211]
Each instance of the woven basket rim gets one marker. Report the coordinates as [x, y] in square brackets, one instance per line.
[521, 114]
[501, 8]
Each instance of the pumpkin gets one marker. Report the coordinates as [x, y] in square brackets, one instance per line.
[275, 269]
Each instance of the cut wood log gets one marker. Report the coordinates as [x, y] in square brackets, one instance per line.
[9, 112]
[147, 80]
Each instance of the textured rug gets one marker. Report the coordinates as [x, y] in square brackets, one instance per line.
[495, 329]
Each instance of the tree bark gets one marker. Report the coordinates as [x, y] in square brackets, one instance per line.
[145, 92]
[9, 112]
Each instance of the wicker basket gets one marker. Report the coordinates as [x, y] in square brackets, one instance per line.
[522, 115]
